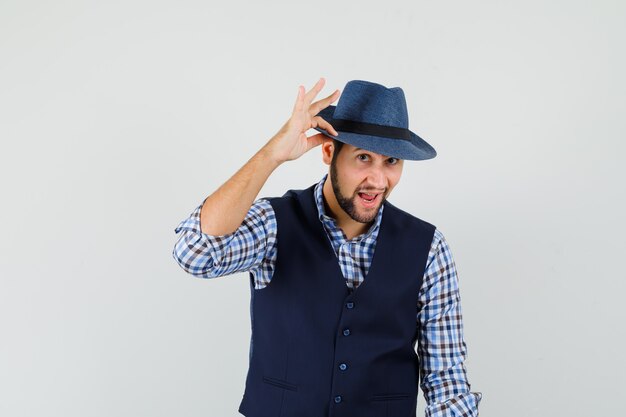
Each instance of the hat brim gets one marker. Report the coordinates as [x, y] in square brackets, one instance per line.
[415, 149]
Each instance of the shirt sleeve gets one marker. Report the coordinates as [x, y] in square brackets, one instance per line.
[252, 247]
[441, 348]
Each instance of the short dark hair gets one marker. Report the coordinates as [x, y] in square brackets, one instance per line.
[337, 147]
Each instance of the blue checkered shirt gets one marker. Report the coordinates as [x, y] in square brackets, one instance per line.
[441, 347]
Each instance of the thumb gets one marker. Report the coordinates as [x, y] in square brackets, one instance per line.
[315, 140]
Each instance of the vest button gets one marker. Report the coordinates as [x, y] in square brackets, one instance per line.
[346, 332]
[350, 304]
[338, 399]
[343, 366]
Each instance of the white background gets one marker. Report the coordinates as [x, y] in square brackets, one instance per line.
[118, 118]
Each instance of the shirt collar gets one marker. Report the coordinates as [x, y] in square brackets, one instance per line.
[331, 222]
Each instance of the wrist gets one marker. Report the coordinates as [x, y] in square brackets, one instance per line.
[269, 156]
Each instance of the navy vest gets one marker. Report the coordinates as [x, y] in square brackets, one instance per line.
[319, 349]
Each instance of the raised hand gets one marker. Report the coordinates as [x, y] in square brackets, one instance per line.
[291, 141]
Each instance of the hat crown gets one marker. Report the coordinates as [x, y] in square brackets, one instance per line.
[368, 102]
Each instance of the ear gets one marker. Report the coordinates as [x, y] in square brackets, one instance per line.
[327, 150]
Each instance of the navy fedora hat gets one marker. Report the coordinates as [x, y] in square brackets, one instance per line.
[373, 117]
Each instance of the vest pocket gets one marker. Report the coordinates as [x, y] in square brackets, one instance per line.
[280, 383]
[386, 397]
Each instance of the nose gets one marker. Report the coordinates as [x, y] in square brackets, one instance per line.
[376, 179]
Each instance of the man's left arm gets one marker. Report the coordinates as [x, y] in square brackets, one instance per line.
[441, 347]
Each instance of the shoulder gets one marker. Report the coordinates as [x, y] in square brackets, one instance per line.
[292, 193]
[440, 250]
[280, 203]
[290, 197]
[439, 243]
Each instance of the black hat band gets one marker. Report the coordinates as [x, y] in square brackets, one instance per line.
[371, 129]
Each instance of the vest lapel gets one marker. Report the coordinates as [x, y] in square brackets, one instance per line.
[306, 199]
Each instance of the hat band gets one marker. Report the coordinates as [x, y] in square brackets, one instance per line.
[371, 129]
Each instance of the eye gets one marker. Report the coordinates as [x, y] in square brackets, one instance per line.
[393, 161]
[362, 154]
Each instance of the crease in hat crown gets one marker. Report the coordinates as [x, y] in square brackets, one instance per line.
[368, 102]
[371, 116]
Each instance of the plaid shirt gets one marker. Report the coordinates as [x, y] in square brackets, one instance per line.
[441, 347]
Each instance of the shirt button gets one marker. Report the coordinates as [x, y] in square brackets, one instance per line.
[350, 304]
[343, 366]
[338, 399]
[346, 332]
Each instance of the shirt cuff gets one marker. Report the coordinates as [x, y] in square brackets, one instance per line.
[191, 223]
[191, 227]
[462, 405]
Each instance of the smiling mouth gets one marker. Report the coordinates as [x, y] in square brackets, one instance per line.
[368, 199]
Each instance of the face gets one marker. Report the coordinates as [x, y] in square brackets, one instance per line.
[362, 180]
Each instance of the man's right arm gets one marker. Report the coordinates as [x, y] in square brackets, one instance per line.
[224, 210]
[223, 213]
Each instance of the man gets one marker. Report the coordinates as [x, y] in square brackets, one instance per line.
[343, 283]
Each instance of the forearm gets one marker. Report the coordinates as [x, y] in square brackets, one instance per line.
[224, 210]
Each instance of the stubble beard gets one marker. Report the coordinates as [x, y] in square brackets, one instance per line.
[348, 204]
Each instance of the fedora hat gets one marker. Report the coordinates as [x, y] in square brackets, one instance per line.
[375, 118]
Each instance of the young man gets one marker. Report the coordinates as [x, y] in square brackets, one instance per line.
[343, 283]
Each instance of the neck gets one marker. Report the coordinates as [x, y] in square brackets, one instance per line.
[350, 227]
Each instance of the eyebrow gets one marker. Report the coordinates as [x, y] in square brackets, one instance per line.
[365, 150]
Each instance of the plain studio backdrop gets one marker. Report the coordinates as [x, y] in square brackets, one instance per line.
[118, 118]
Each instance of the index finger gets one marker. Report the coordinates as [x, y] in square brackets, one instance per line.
[323, 103]
[308, 98]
